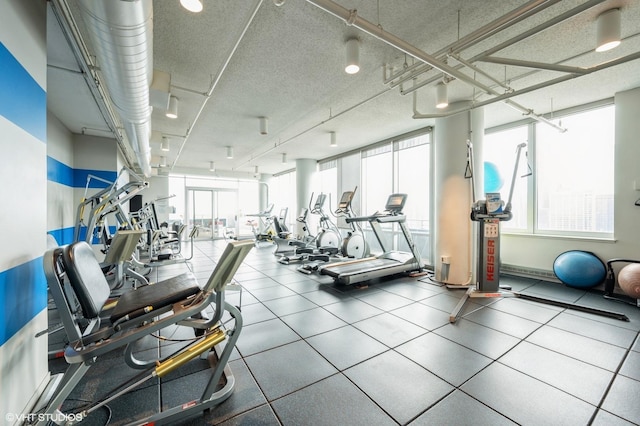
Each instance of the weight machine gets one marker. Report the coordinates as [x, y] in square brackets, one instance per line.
[489, 213]
[262, 229]
[109, 200]
[101, 329]
[159, 243]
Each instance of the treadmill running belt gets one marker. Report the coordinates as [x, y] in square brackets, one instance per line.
[357, 267]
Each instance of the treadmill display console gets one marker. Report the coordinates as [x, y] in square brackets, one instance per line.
[395, 203]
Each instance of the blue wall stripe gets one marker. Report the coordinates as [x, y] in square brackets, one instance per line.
[22, 100]
[65, 235]
[80, 178]
[59, 172]
[77, 178]
[23, 294]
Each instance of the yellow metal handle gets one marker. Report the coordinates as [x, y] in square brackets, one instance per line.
[171, 364]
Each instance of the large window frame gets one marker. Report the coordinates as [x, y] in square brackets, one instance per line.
[386, 169]
[535, 225]
[283, 195]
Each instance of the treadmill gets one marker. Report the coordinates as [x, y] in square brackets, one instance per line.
[390, 262]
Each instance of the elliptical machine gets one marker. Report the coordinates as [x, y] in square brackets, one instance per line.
[354, 245]
[328, 239]
[319, 247]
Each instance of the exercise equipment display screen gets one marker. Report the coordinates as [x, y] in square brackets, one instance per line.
[395, 203]
[346, 199]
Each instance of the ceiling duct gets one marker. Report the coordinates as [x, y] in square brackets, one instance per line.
[121, 33]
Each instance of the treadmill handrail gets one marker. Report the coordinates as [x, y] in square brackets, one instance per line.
[382, 218]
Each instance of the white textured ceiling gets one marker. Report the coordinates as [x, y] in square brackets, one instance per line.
[288, 66]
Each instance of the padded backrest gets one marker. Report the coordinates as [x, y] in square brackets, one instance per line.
[233, 255]
[54, 272]
[122, 246]
[86, 277]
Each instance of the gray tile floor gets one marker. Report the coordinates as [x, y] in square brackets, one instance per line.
[313, 353]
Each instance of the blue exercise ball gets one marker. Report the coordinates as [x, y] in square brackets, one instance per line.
[579, 269]
[492, 180]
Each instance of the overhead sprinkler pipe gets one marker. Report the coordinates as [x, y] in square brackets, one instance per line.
[351, 18]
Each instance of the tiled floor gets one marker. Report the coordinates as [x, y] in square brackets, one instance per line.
[312, 353]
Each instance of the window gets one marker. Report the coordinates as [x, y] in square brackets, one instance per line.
[414, 157]
[329, 182]
[414, 180]
[571, 189]
[282, 193]
[500, 151]
[402, 165]
[575, 174]
[377, 178]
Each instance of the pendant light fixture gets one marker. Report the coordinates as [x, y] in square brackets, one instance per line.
[194, 6]
[442, 97]
[164, 145]
[608, 30]
[172, 111]
[263, 126]
[230, 152]
[353, 56]
[334, 141]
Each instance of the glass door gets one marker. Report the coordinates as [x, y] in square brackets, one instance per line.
[213, 211]
[200, 212]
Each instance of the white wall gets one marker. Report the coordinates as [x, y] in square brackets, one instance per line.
[540, 252]
[158, 190]
[23, 292]
[61, 208]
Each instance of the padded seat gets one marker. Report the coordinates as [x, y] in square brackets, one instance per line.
[154, 296]
[92, 288]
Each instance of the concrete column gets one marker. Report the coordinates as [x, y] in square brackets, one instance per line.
[454, 238]
[263, 193]
[305, 179]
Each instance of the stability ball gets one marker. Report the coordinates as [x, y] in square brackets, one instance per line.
[579, 269]
[629, 280]
[492, 180]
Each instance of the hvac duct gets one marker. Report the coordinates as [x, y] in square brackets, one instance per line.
[121, 33]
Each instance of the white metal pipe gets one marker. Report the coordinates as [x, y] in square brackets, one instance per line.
[531, 64]
[466, 42]
[488, 30]
[351, 17]
[214, 84]
[535, 30]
